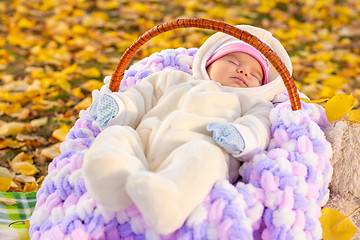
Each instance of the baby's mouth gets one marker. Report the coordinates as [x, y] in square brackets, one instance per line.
[239, 81]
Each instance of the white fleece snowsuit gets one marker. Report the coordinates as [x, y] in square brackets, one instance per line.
[161, 157]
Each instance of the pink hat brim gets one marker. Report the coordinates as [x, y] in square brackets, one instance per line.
[245, 48]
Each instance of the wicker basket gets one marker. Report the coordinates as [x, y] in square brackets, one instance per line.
[247, 210]
[212, 25]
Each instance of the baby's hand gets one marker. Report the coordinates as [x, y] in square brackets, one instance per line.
[103, 109]
[227, 137]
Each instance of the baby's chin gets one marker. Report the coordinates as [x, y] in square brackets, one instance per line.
[236, 85]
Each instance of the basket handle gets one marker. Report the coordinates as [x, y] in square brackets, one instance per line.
[254, 41]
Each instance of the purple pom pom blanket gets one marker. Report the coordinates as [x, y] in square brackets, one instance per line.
[280, 195]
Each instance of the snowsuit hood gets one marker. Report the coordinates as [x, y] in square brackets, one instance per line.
[275, 83]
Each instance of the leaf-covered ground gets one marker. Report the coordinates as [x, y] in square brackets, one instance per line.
[53, 53]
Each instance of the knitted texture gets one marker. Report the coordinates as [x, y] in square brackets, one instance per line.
[103, 109]
[228, 137]
[294, 173]
[280, 196]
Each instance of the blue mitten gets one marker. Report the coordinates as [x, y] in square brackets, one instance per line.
[103, 109]
[227, 137]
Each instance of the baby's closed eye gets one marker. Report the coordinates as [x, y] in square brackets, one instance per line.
[256, 75]
[233, 62]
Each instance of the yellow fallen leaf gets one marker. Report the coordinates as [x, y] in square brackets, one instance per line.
[84, 104]
[22, 157]
[21, 114]
[51, 152]
[70, 103]
[314, 101]
[70, 69]
[91, 72]
[15, 186]
[37, 74]
[8, 143]
[78, 13]
[338, 106]
[28, 169]
[40, 104]
[85, 55]
[102, 59]
[61, 132]
[349, 72]
[54, 93]
[140, 7]
[24, 178]
[77, 93]
[77, 42]
[108, 5]
[354, 115]
[46, 82]
[2, 41]
[10, 108]
[30, 187]
[217, 12]
[100, 15]
[40, 180]
[15, 39]
[327, 92]
[38, 122]
[334, 81]
[336, 225]
[91, 85]
[78, 29]
[12, 128]
[12, 97]
[24, 168]
[5, 184]
[64, 84]
[5, 173]
[8, 201]
[26, 23]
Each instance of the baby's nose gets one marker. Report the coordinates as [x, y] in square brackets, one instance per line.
[243, 71]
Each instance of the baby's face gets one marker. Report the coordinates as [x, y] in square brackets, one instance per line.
[236, 69]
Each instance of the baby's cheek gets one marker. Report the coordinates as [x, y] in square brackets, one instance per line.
[257, 83]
